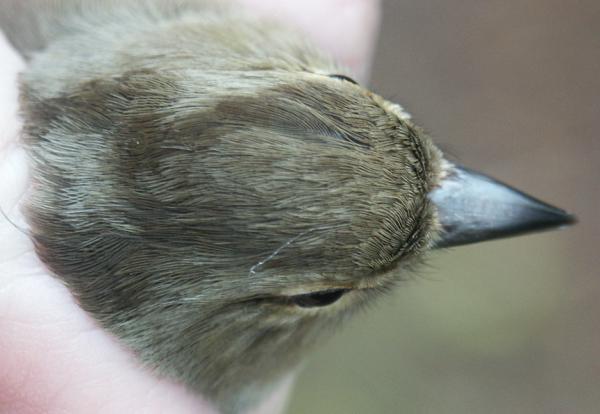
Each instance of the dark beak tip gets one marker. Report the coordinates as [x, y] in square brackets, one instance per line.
[563, 221]
[569, 220]
[545, 216]
[555, 220]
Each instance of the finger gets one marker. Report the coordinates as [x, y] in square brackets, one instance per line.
[13, 164]
[346, 28]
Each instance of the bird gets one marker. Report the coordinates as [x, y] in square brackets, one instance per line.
[220, 194]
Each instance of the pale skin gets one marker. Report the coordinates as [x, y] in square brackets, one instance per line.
[54, 357]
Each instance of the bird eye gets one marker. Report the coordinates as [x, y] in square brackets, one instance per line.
[344, 77]
[317, 299]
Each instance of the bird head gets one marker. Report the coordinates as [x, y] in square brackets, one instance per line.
[232, 230]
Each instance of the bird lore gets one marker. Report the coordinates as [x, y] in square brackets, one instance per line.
[219, 194]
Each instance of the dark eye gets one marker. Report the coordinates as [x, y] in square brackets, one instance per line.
[344, 77]
[322, 298]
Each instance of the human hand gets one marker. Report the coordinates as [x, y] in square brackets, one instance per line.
[54, 357]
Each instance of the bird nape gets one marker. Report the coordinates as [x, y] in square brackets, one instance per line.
[219, 194]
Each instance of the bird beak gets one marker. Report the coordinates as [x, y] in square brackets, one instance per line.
[472, 207]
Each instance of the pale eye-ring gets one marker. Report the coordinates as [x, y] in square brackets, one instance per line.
[318, 299]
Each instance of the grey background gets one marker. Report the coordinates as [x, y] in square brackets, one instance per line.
[511, 88]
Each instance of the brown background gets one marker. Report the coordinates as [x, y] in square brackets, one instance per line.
[511, 88]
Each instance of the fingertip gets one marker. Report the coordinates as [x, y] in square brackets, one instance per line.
[11, 65]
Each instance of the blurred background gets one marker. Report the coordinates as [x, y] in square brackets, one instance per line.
[511, 88]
